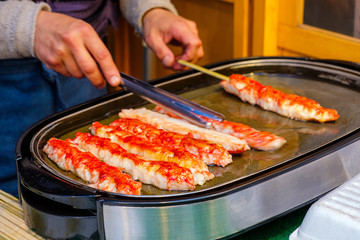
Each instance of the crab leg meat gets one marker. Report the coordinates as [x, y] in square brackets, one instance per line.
[162, 121]
[90, 169]
[268, 98]
[150, 151]
[255, 139]
[164, 175]
[210, 153]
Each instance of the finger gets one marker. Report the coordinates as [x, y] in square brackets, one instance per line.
[90, 69]
[191, 54]
[104, 59]
[157, 44]
[191, 43]
[82, 51]
[72, 66]
[198, 55]
[87, 64]
[163, 52]
[177, 66]
[192, 49]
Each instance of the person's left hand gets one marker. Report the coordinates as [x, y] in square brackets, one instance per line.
[162, 27]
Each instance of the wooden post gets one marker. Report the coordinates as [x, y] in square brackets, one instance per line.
[265, 27]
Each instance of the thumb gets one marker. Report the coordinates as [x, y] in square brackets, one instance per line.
[168, 60]
[162, 51]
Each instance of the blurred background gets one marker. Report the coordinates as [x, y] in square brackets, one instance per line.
[229, 29]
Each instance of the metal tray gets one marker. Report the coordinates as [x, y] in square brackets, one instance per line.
[290, 76]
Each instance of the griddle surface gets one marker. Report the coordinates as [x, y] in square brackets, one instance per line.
[302, 137]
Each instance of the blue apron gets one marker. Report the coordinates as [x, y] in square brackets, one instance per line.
[29, 92]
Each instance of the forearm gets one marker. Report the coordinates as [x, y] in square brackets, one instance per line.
[17, 27]
[134, 10]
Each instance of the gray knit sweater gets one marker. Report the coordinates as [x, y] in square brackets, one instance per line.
[18, 18]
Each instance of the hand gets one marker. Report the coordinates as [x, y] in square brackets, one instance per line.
[73, 48]
[161, 27]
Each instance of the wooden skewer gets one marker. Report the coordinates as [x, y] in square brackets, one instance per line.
[204, 70]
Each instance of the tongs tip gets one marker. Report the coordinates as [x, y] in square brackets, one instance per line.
[179, 106]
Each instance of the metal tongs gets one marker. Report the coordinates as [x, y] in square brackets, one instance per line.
[180, 106]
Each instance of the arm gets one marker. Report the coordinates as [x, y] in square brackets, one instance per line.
[134, 10]
[18, 19]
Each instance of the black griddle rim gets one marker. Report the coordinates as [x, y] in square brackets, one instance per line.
[91, 196]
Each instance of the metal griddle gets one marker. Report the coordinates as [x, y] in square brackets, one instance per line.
[255, 188]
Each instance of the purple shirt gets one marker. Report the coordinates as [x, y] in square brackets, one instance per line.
[98, 13]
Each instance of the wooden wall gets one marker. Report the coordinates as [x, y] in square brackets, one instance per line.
[214, 19]
[234, 29]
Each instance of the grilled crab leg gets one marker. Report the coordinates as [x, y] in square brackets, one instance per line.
[90, 169]
[207, 152]
[288, 105]
[150, 151]
[164, 175]
[162, 121]
[255, 139]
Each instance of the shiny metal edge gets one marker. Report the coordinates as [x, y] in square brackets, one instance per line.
[236, 212]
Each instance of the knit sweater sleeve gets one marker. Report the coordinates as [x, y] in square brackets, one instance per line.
[134, 10]
[17, 27]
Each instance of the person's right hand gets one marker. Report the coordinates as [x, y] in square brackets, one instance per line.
[73, 48]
